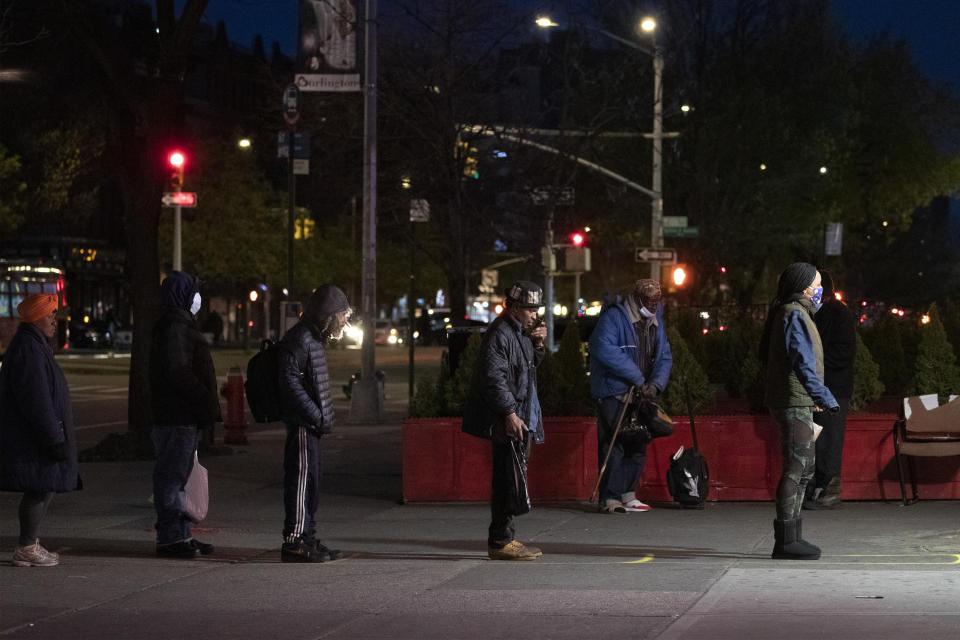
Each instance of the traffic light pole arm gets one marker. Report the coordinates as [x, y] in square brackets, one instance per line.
[591, 165]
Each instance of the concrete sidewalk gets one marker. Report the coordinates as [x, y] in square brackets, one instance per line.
[421, 571]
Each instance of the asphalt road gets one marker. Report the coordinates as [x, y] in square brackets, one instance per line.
[99, 383]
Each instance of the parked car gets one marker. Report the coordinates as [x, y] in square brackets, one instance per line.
[93, 335]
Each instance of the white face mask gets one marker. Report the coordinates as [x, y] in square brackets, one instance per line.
[195, 305]
[646, 313]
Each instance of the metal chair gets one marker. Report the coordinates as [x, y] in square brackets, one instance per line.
[925, 430]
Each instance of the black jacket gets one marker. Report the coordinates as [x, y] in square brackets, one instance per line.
[305, 397]
[183, 382]
[838, 332]
[501, 379]
[35, 418]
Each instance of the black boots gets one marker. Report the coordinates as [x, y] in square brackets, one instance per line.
[789, 545]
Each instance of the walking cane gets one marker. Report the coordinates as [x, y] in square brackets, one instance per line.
[623, 412]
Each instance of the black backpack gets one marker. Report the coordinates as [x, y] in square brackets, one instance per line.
[688, 477]
[263, 382]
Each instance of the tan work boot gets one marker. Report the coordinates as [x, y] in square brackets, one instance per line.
[514, 551]
[34, 556]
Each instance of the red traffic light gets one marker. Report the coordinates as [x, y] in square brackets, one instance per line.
[177, 159]
[577, 239]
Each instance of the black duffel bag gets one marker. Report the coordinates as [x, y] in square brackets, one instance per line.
[644, 421]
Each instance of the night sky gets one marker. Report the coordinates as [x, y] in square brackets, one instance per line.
[932, 27]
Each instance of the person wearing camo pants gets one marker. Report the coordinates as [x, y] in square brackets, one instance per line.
[793, 391]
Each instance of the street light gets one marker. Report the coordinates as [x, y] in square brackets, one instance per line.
[647, 25]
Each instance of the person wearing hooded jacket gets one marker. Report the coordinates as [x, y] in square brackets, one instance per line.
[183, 385]
[793, 391]
[628, 348]
[838, 331]
[38, 445]
[307, 410]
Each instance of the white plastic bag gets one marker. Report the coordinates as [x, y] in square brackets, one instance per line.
[196, 492]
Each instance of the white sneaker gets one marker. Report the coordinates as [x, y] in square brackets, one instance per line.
[636, 506]
[34, 556]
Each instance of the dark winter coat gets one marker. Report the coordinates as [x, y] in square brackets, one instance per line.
[838, 331]
[36, 419]
[501, 380]
[305, 396]
[183, 381]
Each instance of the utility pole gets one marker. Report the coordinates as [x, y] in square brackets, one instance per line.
[656, 202]
[366, 402]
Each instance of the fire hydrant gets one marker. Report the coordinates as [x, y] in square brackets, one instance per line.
[234, 426]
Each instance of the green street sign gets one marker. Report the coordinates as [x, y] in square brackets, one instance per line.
[681, 232]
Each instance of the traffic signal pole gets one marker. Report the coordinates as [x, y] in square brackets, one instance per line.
[177, 234]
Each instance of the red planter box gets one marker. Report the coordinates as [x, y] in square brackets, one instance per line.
[441, 463]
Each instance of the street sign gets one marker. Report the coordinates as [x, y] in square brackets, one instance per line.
[179, 198]
[648, 254]
[301, 167]
[674, 221]
[301, 145]
[833, 245]
[291, 104]
[681, 232]
[561, 196]
[419, 210]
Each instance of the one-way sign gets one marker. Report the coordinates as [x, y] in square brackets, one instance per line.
[179, 198]
[648, 254]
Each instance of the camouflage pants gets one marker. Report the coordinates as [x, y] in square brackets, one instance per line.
[798, 457]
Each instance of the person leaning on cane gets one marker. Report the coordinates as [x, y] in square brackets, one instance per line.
[502, 406]
[628, 348]
[38, 446]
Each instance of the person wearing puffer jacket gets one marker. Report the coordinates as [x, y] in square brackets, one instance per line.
[307, 410]
[183, 387]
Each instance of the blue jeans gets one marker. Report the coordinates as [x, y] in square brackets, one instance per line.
[174, 447]
[625, 465]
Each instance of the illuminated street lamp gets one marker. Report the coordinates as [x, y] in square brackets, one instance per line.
[647, 25]
[244, 143]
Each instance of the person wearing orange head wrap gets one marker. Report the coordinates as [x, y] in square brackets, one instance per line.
[38, 447]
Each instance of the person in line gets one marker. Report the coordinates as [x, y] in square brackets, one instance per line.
[306, 404]
[183, 384]
[838, 332]
[502, 406]
[628, 348]
[793, 391]
[38, 445]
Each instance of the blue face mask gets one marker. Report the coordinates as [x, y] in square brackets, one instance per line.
[817, 297]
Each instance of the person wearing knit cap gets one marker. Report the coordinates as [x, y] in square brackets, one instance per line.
[306, 404]
[628, 348]
[184, 399]
[38, 445]
[791, 349]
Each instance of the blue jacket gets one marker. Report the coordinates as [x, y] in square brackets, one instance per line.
[794, 373]
[615, 358]
[35, 415]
